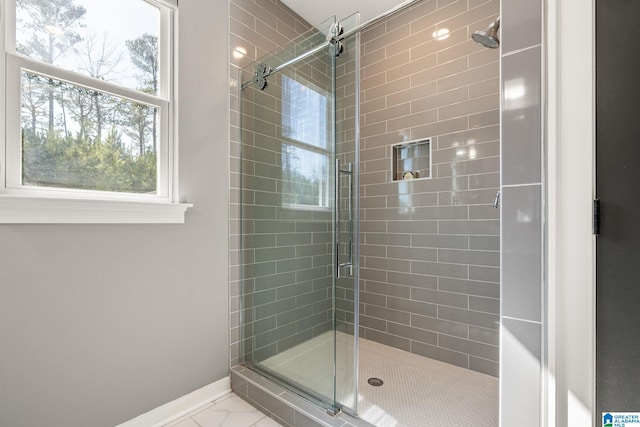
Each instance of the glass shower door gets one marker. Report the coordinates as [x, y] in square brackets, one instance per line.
[297, 224]
[347, 224]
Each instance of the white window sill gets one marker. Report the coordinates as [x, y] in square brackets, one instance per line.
[48, 210]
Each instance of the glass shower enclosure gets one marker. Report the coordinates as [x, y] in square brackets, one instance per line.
[299, 216]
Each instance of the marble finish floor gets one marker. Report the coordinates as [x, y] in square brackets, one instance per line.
[228, 411]
[417, 391]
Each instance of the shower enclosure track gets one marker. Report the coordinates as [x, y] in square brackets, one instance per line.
[336, 38]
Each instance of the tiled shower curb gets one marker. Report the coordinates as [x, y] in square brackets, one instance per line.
[283, 406]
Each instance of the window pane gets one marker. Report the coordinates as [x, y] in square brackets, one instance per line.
[115, 40]
[74, 137]
[304, 113]
[305, 177]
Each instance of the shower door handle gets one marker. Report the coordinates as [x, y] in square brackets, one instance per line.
[348, 171]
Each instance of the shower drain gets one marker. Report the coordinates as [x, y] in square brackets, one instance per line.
[376, 382]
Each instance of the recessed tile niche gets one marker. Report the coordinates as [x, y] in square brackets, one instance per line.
[411, 160]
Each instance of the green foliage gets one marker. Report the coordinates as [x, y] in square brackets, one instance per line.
[93, 140]
[53, 160]
[302, 184]
[143, 52]
[299, 189]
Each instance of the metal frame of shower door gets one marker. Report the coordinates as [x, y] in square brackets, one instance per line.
[356, 30]
[356, 228]
[289, 62]
[308, 394]
[333, 407]
[355, 172]
[336, 231]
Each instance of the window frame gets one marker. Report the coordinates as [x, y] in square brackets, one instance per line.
[323, 191]
[312, 148]
[30, 204]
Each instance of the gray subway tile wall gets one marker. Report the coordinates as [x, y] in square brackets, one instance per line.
[258, 28]
[478, 72]
[286, 254]
[523, 190]
[346, 153]
[522, 222]
[521, 85]
[521, 25]
[430, 248]
[305, 314]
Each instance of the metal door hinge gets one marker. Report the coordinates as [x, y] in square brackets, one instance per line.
[596, 216]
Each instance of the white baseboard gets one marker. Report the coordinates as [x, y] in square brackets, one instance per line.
[180, 407]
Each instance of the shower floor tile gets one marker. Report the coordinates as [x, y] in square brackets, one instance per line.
[417, 391]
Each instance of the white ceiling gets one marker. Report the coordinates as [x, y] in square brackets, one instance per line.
[317, 11]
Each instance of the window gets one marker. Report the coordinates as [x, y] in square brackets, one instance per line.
[88, 109]
[305, 150]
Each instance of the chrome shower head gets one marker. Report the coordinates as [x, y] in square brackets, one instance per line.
[489, 37]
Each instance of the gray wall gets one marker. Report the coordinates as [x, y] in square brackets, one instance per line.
[430, 292]
[346, 132]
[101, 323]
[286, 252]
[522, 306]
[259, 27]
[430, 248]
[523, 321]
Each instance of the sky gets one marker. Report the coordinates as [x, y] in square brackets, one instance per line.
[122, 20]
[119, 20]
[132, 17]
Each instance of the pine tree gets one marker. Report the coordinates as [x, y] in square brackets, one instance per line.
[144, 55]
[51, 29]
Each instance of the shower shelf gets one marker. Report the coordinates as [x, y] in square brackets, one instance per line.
[411, 160]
